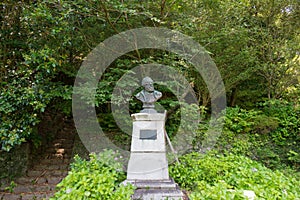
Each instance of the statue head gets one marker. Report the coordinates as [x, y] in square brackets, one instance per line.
[147, 83]
[148, 96]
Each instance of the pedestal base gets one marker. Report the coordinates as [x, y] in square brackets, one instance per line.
[155, 190]
[147, 166]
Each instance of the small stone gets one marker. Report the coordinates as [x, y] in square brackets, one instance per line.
[69, 190]
[60, 151]
[40, 180]
[34, 173]
[54, 180]
[53, 167]
[21, 189]
[24, 180]
[249, 194]
[10, 197]
[254, 169]
[57, 173]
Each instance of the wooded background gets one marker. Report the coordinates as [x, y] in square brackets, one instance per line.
[255, 45]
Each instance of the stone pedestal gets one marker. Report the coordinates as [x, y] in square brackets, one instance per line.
[148, 165]
[148, 149]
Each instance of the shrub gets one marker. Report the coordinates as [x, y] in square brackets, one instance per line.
[239, 120]
[218, 191]
[285, 138]
[269, 135]
[210, 176]
[289, 121]
[28, 91]
[99, 178]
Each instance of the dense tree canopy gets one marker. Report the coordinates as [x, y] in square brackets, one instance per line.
[255, 45]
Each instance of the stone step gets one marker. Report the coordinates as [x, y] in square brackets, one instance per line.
[62, 141]
[37, 196]
[149, 194]
[31, 180]
[59, 150]
[39, 173]
[35, 173]
[57, 173]
[54, 180]
[40, 180]
[46, 167]
[54, 161]
[27, 196]
[153, 184]
[59, 156]
[9, 196]
[65, 167]
[19, 189]
[65, 136]
[67, 144]
[51, 167]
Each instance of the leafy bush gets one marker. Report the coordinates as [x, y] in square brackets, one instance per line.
[28, 92]
[282, 141]
[98, 178]
[239, 120]
[269, 135]
[218, 191]
[214, 176]
[240, 125]
[289, 121]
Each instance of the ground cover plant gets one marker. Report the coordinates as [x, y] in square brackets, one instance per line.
[215, 176]
[97, 178]
[268, 133]
[204, 176]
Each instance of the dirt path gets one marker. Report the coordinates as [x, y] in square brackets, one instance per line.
[40, 181]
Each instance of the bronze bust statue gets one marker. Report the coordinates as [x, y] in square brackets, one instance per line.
[148, 95]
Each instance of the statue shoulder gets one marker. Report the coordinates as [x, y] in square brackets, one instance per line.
[157, 94]
[140, 95]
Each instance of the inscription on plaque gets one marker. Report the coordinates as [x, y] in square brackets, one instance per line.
[148, 134]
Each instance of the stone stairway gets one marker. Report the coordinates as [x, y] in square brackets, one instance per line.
[40, 180]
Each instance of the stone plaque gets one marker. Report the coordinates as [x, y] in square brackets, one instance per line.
[148, 134]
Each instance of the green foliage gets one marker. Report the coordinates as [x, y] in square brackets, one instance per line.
[281, 144]
[242, 121]
[21, 107]
[98, 178]
[239, 120]
[107, 122]
[269, 135]
[241, 129]
[11, 187]
[168, 102]
[29, 80]
[254, 44]
[294, 157]
[219, 190]
[214, 176]
[240, 126]
[289, 121]
[26, 96]
[113, 132]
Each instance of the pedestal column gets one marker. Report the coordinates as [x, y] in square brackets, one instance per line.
[148, 149]
[148, 166]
